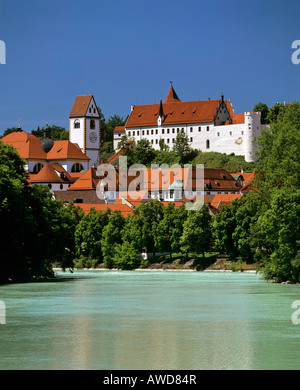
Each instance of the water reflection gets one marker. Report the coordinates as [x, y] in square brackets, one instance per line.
[133, 320]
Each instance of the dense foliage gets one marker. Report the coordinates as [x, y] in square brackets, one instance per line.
[36, 230]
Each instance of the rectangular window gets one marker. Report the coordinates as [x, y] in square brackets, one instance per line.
[199, 128]
[191, 129]
[129, 133]
[133, 133]
[138, 133]
[156, 131]
[207, 128]
[173, 130]
[191, 139]
[168, 131]
[152, 131]
[242, 133]
[143, 132]
[152, 141]
[168, 141]
[163, 131]
[156, 141]
[147, 132]
[230, 133]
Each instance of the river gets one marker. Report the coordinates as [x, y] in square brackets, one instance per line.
[150, 320]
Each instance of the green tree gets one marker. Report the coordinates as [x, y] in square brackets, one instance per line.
[280, 229]
[57, 133]
[170, 228]
[279, 151]
[126, 256]
[143, 153]
[197, 232]
[88, 234]
[181, 145]
[111, 236]
[264, 110]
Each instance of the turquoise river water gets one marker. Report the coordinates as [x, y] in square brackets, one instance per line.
[140, 320]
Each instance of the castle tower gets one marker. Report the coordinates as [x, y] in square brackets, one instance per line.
[84, 127]
[252, 130]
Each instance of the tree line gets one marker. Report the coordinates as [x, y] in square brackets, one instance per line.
[262, 227]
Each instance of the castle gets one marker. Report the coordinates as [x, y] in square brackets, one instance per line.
[210, 125]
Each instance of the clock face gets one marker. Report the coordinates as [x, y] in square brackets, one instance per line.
[93, 137]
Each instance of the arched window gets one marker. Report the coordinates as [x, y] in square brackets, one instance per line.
[92, 123]
[76, 124]
[77, 167]
[207, 144]
[37, 167]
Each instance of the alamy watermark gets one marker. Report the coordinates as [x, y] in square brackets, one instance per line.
[296, 313]
[2, 53]
[2, 313]
[160, 181]
[296, 54]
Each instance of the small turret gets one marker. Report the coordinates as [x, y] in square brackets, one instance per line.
[161, 116]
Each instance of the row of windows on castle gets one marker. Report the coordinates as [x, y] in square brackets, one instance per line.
[168, 131]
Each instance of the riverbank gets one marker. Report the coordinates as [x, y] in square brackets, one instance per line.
[208, 264]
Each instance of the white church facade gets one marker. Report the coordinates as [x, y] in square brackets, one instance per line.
[210, 125]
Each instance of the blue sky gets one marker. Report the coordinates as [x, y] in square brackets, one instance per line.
[127, 52]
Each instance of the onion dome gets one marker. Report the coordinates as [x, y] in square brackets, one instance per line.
[47, 142]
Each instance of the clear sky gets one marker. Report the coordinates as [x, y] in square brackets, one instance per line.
[126, 52]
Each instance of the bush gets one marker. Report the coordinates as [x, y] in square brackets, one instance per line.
[126, 256]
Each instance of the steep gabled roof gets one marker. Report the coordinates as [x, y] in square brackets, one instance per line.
[87, 181]
[172, 96]
[175, 113]
[51, 173]
[80, 105]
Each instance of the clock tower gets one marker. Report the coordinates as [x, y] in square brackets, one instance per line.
[84, 127]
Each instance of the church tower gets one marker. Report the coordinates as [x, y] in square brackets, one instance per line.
[84, 127]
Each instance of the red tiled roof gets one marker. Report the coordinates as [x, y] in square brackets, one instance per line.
[148, 179]
[51, 173]
[119, 129]
[29, 148]
[175, 113]
[172, 96]
[248, 177]
[28, 145]
[66, 150]
[224, 199]
[80, 105]
[87, 181]
[124, 209]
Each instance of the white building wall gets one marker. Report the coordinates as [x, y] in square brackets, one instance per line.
[228, 139]
[232, 138]
[77, 135]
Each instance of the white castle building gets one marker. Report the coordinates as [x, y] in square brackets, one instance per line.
[210, 125]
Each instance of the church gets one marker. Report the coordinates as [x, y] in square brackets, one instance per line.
[59, 164]
[210, 125]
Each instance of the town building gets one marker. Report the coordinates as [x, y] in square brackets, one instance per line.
[210, 125]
